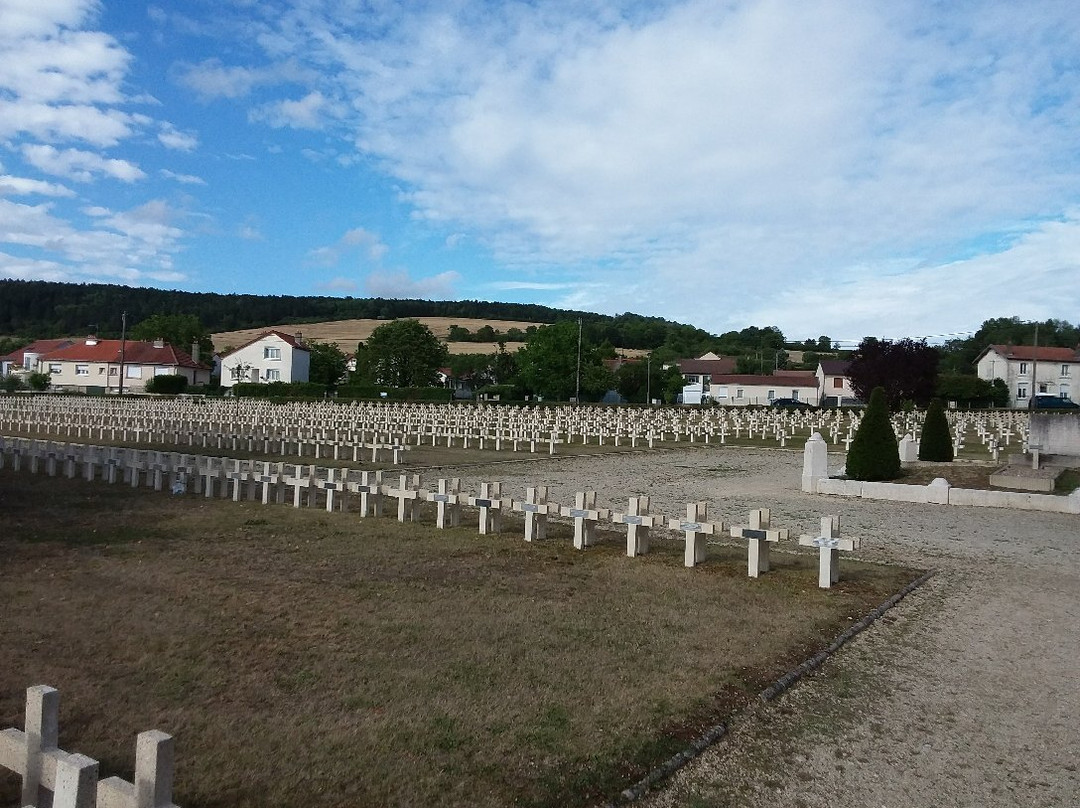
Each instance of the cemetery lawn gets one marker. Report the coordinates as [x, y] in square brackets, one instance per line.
[315, 659]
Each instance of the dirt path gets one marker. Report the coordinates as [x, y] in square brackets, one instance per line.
[968, 693]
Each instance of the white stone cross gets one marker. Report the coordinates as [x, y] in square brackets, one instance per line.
[638, 520]
[829, 545]
[758, 534]
[695, 527]
[370, 489]
[585, 515]
[408, 495]
[331, 485]
[448, 501]
[491, 504]
[537, 510]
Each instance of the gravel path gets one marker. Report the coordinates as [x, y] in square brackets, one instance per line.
[967, 693]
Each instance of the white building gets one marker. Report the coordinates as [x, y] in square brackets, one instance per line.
[106, 365]
[1027, 371]
[833, 383]
[273, 356]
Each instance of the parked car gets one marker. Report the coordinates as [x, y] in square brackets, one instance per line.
[1052, 403]
[792, 403]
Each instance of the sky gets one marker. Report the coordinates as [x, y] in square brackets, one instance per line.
[872, 168]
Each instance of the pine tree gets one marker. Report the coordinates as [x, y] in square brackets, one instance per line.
[874, 454]
[936, 443]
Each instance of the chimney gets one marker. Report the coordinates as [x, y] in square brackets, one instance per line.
[195, 351]
[159, 343]
[300, 337]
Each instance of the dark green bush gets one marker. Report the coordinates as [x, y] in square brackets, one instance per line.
[936, 443]
[170, 384]
[874, 454]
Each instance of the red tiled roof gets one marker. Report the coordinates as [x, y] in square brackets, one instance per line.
[289, 338]
[706, 366]
[1040, 354]
[135, 353]
[41, 346]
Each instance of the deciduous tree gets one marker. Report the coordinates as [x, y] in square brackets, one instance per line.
[905, 370]
[402, 353]
[181, 331]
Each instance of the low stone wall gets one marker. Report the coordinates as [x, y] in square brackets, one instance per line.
[941, 493]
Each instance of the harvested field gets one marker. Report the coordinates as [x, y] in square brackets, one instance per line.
[308, 658]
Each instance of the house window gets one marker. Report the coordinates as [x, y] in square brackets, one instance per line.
[838, 383]
[1064, 370]
[273, 375]
[55, 369]
[82, 370]
[1023, 368]
[163, 371]
[101, 371]
[1021, 391]
[738, 392]
[271, 353]
[1043, 388]
[114, 371]
[133, 371]
[772, 395]
[720, 392]
[794, 395]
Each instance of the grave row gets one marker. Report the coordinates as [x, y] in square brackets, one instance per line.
[327, 429]
[51, 776]
[368, 492]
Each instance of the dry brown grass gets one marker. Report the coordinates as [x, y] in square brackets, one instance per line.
[346, 333]
[305, 658]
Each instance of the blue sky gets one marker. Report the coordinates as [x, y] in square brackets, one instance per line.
[844, 168]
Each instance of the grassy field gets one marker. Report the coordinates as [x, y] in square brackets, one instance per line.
[305, 658]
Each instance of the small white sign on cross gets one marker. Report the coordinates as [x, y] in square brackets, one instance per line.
[536, 509]
[695, 528]
[491, 504]
[585, 515]
[829, 545]
[448, 501]
[758, 533]
[638, 520]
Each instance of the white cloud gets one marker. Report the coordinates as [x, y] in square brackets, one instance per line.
[368, 244]
[400, 284]
[308, 112]
[41, 17]
[45, 122]
[184, 179]
[172, 138]
[338, 285]
[81, 166]
[212, 79]
[22, 186]
[696, 158]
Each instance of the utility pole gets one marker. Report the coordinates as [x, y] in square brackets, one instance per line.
[577, 378]
[1035, 369]
[123, 349]
[648, 380]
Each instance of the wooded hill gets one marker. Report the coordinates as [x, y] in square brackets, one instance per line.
[41, 309]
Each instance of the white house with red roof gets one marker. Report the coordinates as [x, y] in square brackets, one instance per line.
[94, 365]
[26, 358]
[273, 356]
[1027, 371]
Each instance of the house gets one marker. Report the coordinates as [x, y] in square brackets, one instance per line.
[273, 356]
[704, 368]
[833, 383]
[94, 365]
[26, 357]
[741, 390]
[1028, 370]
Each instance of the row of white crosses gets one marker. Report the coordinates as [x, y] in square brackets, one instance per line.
[335, 485]
[51, 776]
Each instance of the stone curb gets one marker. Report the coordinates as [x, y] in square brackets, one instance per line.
[771, 693]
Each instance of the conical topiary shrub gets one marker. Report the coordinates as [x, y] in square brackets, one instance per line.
[936, 442]
[874, 453]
